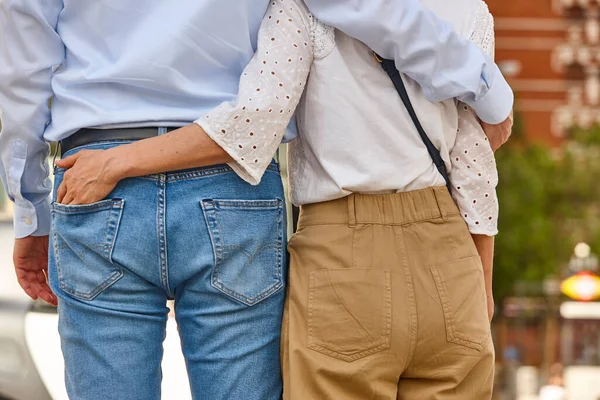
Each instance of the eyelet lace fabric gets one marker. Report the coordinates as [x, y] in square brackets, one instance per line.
[474, 175]
[323, 37]
[251, 128]
[483, 30]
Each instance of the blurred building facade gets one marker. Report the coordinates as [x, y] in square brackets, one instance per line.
[550, 52]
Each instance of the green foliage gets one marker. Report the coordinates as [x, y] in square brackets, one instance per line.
[549, 201]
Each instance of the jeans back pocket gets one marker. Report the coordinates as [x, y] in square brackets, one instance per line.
[83, 239]
[248, 242]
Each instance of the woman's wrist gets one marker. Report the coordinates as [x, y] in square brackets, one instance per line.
[119, 162]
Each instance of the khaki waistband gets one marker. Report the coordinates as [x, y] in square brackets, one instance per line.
[383, 209]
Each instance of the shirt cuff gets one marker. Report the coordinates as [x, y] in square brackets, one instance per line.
[486, 231]
[251, 173]
[30, 220]
[496, 104]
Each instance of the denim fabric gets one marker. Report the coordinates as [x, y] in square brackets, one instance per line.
[202, 237]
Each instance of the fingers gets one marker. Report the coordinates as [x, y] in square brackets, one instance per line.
[494, 137]
[498, 134]
[68, 162]
[30, 292]
[43, 291]
[495, 144]
[36, 287]
[31, 267]
[62, 190]
[65, 193]
[49, 297]
[68, 198]
[30, 288]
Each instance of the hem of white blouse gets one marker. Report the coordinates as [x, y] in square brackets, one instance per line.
[484, 232]
[241, 168]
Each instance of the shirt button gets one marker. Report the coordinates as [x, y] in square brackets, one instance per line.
[27, 221]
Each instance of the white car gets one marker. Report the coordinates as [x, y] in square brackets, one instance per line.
[31, 365]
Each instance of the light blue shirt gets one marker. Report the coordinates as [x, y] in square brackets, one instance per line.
[156, 63]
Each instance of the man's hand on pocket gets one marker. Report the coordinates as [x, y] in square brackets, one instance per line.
[30, 257]
[90, 177]
[500, 133]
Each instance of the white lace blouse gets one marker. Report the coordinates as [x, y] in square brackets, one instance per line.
[474, 175]
[291, 45]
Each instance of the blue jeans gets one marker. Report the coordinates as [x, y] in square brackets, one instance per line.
[203, 237]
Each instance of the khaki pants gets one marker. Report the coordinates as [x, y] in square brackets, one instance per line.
[386, 301]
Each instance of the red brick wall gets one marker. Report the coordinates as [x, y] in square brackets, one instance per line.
[527, 32]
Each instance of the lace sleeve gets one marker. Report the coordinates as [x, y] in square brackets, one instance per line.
[474, 175]
[323, 37]
[483, 30]
[251, 128]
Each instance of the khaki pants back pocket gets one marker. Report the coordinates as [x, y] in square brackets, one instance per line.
[349, 312]
[461, 289]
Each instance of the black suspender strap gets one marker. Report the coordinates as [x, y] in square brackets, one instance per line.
[389, 66]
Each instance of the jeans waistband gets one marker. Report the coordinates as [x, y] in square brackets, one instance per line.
[199, 172]
[88, 136]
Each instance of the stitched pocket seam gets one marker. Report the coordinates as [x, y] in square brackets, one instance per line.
[452, 334]
[382, 344]
[115, 209]
[210, 208]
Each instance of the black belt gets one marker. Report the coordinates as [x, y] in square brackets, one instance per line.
[88, 136]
